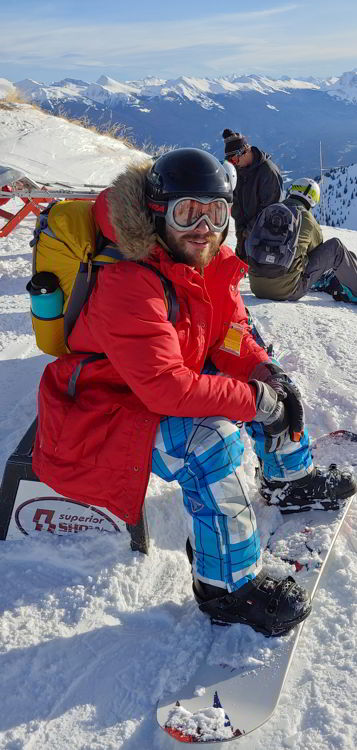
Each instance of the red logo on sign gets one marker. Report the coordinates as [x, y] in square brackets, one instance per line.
[48, 518]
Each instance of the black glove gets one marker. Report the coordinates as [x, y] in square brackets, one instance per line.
[273, 375]
[273, 416]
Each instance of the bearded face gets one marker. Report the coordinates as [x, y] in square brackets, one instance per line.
[196, 247]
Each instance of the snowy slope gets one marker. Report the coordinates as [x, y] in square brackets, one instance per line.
[338, 205]
[26, 143]
[91, 634]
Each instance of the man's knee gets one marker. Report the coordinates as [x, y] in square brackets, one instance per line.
[212, 429]
[336, 248]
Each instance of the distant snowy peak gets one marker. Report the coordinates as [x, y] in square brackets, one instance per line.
[265, 85]
[107, 91]
[345, 87]
[115, 87]
[28, 86]
[68, 88]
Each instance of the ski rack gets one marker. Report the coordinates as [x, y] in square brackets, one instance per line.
[32, 198]
[19, 467]
[49, 195]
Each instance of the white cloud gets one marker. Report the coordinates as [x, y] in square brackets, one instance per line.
[116, 40]
[257, 40]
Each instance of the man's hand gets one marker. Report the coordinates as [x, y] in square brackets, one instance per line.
[273, 416]
[276, 378]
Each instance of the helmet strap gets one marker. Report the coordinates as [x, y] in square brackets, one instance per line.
[163, 244]
[160, 227]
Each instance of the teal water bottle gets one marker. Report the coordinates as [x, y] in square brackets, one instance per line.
[46, 296]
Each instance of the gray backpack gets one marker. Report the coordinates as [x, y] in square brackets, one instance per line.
[271, 245]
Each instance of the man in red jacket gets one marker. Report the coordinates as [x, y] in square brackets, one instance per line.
[169, 395]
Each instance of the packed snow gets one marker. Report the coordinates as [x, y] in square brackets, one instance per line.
[92, 634]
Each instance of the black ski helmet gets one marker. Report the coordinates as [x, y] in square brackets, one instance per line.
[188, 172]
[185, 172]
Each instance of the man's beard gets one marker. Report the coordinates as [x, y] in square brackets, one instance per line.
[182, 254]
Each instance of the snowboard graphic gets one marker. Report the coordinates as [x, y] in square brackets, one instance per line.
[238, 687]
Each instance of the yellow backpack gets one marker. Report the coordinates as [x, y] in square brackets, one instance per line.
[68, 251]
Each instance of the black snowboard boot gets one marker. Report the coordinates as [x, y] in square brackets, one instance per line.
[269, 606]
[319, 490]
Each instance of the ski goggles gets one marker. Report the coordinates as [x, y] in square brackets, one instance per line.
[184, 214]
[239, 152]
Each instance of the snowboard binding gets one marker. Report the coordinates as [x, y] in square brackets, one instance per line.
[319, 490]
[271, 607]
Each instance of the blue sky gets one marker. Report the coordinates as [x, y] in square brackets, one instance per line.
[127, 41]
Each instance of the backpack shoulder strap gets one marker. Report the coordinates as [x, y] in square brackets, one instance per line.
[106, 250]
[296, 209]
[297, 212]
[41, 226]
[170, 293]
[81, 292]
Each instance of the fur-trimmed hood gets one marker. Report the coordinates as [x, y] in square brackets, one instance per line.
[133, 228]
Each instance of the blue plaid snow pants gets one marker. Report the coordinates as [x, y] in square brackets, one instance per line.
[205, 456]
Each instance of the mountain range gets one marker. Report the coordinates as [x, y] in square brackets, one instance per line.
[294, 120]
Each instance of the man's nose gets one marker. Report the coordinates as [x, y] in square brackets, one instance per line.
[202, 227]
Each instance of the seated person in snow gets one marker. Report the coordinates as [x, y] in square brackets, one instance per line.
[169, 398]
[326, 266]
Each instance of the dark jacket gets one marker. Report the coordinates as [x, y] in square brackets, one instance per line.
[258, 186]
[282, 287]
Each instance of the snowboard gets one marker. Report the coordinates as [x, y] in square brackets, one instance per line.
[238, 686]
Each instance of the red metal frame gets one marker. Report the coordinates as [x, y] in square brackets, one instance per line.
[33, 205]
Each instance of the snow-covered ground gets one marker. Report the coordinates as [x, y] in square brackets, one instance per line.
[92, 634]
[28, 142]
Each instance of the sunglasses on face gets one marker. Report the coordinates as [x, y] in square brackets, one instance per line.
[237, 155]
[184, 214]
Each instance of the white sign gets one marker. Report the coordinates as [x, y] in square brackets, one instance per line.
[37, 508]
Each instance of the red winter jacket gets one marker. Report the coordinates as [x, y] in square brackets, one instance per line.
[97, 447]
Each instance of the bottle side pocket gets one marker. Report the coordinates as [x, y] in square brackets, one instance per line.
[47, 301]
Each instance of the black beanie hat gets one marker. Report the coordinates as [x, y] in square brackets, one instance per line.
[235, 144]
